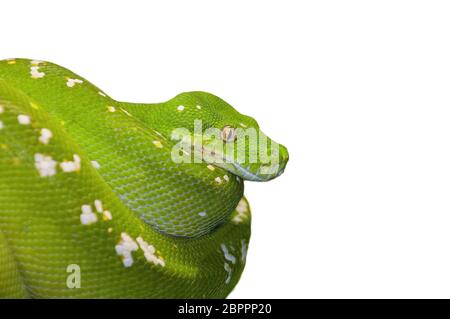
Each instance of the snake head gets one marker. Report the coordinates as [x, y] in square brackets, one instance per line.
[215, 133]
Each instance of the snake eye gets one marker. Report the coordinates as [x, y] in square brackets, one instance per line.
[228, 134]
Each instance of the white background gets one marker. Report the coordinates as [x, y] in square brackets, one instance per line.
[359, 92]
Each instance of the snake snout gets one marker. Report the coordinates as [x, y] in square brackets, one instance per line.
[284, 158]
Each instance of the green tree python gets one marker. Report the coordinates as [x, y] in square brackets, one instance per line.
[137, 200]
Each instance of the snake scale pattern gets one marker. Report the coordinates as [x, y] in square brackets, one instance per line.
[89, 186]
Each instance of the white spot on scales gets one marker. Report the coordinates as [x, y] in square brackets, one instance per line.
[227, 268]
[98, 205]
[35, 73]
[149, 252]
[107, 215]
[45, 136]
[124, 249]
[95, 164]
[45, 165]
[71, 82]
[229, 257]
[23, 119]
[242, 210]
[71, 166]
[99, 208]
[87, 217]
[226, 253]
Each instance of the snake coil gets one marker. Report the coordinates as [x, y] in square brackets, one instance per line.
[92, 203]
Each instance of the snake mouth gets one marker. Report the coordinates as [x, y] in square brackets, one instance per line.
[245, 161]
[257, 171]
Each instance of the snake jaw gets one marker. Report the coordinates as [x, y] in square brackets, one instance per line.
[258, 172]
[211, 152]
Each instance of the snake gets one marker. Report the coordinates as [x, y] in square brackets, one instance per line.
[107, 199]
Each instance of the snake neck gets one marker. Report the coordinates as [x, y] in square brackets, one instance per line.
[177, 199]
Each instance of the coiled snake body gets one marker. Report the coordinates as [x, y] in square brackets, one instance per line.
[89, 186]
